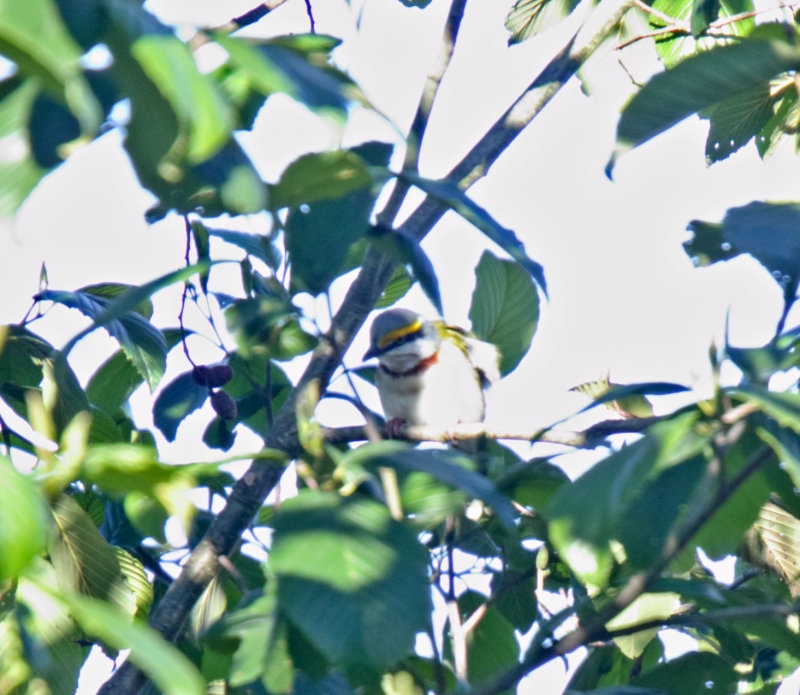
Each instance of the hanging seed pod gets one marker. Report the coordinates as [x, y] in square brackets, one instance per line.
[223, 405]
[212, 376]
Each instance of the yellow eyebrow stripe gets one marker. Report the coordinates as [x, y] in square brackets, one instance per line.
[398, 333]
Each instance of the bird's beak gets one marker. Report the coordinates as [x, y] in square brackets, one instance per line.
[373, 351]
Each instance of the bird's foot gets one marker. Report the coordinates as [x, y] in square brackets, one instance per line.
[392, 428]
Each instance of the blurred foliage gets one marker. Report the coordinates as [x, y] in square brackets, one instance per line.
[343, 587]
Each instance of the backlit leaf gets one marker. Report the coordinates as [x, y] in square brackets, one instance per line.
[505, 308]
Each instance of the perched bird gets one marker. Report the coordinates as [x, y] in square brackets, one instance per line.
[429, 373]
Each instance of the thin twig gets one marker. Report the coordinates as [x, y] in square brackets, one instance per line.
[310, 14]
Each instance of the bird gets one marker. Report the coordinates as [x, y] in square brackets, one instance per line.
[429, 373]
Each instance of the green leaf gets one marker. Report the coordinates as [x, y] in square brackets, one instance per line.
[295, 65]
[51, 126]
[255, 245]
[136, 579]
[113, 383]
[736, 120]
[320, 176]
[407, 250]
[168, 668]
[450, 195]
[443, 465]
[529, 17]
[767, 231]
[696, 672]
[175, 402]
[23, 521]
[645, 608]
[142, 342]
[491, 647]
[268, 327]
[84, 561]
[366, 594]
[397, 287]
[647, 522]
[586, 515]
[33, 36]
[505, 308]
[698, 83]
[168, 62]
[19, 172]
[627, 398]
[319, 235]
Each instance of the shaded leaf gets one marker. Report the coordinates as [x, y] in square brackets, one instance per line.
[113, 383]
[142, 342]
[691, 673]
[443, 465]
[255, 245]
[19, 172]
[504, 309]
[168, 62]
[587, 514]
[698, 83]
[529, 17]
[175, 402]
[734, 121]
[320, 176]
[767, 231]
[319, 235]
[366, 594]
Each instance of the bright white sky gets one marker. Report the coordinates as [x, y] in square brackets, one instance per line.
[624, 296]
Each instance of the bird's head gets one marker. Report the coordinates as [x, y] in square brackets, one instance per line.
[401, 339]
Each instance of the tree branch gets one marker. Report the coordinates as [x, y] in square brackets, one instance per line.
[250, 491]
[709, 617]
[587, 439]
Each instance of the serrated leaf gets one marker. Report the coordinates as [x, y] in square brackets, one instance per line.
[734, 121]
[135, 577]
[366, 594]
[505, 308]
[85, 563]
[698, 83]
[457, 200]
[397, 287]
[529, 17]
[23, 521]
